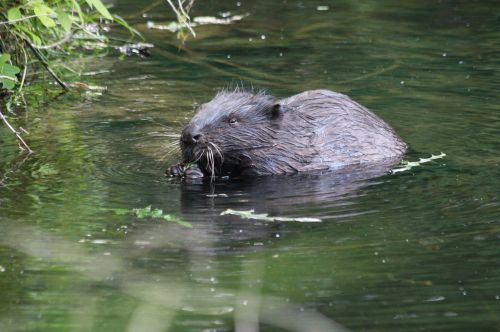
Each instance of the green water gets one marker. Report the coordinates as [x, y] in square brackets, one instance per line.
[414, 251]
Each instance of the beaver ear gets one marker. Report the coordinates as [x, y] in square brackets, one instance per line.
[275, 111]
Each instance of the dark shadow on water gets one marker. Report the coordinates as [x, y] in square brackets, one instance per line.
[324, 196]
[279, 194]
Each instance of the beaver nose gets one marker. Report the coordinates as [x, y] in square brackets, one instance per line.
[190, 137]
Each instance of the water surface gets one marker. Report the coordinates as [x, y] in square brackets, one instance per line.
[417, 250]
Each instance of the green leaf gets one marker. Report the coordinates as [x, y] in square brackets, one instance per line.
[78, 10]
[6, 68]
[148, 212]
[14, 14]
[41, 11]
[4, 58]
[8, 72]
[7, 83]
[142, 212]
[64, 19]
[157, 213]
[35, 39]
[121, 212]
[97, 4]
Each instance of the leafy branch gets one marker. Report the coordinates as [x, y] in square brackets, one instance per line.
[33, 32]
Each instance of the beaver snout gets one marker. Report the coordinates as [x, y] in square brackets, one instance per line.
[190, 136]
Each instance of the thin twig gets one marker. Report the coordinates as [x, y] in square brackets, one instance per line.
[25, 18]
[25, 69]
[183, 19]
[174, 8]
[45, 64]
[3, 77]
[15, 132]
[181, 8]
[189, 6]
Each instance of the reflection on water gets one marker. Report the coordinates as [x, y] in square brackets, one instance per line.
[416, 250]
[157, 296]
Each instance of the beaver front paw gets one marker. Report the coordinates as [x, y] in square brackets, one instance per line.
[193, 172]
[189, 171]
[176, 171]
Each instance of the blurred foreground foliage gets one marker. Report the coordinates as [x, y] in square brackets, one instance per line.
[40, 32]
[38, 37]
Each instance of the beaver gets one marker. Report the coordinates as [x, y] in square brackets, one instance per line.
[241, 133]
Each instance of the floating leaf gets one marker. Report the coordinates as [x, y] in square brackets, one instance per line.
[121, 212]
[250, 214]
[149, 212]
[14, 14]
[142, 212]
[410, 164]
[42, 11]
[97, 4]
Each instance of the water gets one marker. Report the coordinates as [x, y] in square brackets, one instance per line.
[417, 250]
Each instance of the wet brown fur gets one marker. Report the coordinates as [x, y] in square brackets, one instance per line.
[256, 134]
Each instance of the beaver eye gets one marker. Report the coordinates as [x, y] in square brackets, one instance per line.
[232, 120]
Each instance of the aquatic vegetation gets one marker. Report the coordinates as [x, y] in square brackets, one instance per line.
[407, 165]
[149, 213]
[250, 214]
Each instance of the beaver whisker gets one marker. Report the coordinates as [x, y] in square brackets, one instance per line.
[211, 162]
[199, 156]
[217, 149]
[220, 160]
[170, 148]
[207, 157]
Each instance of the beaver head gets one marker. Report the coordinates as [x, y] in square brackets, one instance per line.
[223, 132]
